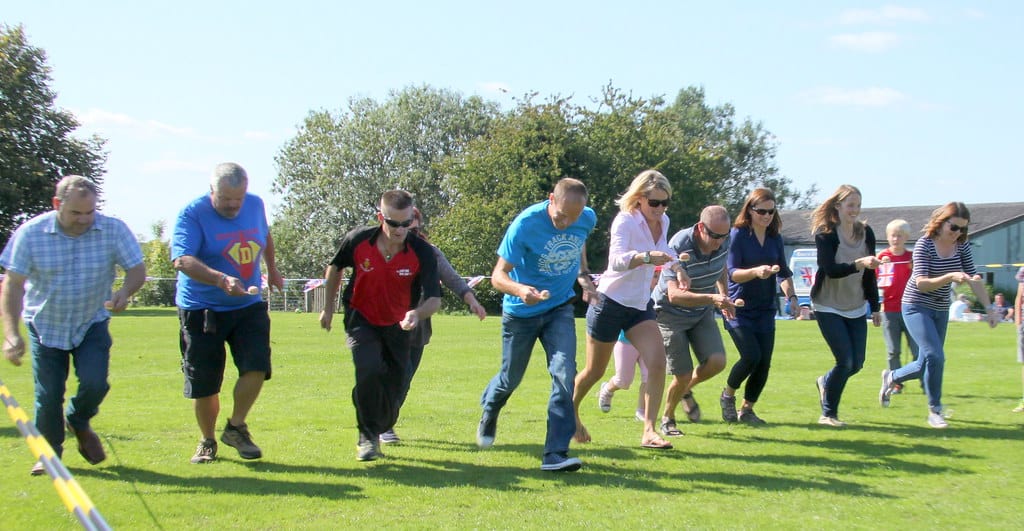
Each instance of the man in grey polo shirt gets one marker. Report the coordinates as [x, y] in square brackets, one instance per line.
[687, 318]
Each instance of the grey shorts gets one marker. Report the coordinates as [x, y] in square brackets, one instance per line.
[679, 333]
[1020, 343]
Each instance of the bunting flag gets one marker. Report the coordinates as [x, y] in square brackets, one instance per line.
[475, 280]
[263, 282]
[312, 284]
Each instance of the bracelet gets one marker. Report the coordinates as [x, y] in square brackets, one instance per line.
[223, 277]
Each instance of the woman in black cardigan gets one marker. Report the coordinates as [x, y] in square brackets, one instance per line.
[844, 282]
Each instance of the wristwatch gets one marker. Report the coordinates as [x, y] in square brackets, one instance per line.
[647, 257]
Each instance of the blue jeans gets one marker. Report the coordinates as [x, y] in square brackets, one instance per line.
[847, 338]
[928, 328]
[556, 330]
[893, 329]
[50, 366]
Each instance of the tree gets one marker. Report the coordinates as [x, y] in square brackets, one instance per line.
[156, 253]
[36, 146]
[333, 172]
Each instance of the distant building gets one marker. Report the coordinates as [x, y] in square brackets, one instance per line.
[996, 234]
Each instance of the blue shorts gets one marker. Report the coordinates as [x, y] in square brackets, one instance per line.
[607, 318]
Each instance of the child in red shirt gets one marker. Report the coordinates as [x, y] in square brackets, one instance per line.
[893, 275]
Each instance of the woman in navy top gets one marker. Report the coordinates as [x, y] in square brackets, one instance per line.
[757, 261]
[941, 257]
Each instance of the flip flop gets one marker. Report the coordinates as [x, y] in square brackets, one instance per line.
[657, 444]
[669, 429]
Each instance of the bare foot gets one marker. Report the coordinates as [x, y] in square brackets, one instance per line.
[581, 435]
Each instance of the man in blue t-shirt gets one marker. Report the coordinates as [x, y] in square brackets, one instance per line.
[542, 254]
[216, 247]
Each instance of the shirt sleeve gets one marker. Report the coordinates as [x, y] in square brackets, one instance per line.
[187, 237]
[619, 251]
[449, 277]
[17, 255]
[967, 259]
[129, 254]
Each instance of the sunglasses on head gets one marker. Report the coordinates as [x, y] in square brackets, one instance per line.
[956, 228]
[763, 211]
[397, 224]
[712, 234]
[655, 203]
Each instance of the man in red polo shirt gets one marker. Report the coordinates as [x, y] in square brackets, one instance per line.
[390, 269]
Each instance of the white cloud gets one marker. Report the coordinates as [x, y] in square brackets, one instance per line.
[257, 135]
[884, 14]
[864, 97]
[494, 87]
[869, 41]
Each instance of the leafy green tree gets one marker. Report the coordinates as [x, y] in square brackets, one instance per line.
[156, 253]
[331, 175]
[36, 146]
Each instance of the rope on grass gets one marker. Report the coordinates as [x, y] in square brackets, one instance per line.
[74, 498]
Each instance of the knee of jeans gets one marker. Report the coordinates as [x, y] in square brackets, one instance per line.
[93, 387]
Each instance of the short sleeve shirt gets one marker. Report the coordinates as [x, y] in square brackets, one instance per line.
[544, 257]
[232, 246]
[68, 278]
[704, 271]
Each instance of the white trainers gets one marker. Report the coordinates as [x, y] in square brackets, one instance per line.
[604, 398]
[886, 390]
[831, 421]
[936, 420]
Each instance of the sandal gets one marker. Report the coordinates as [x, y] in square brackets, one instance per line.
[668, 427]
[657, 444]
[692, 411]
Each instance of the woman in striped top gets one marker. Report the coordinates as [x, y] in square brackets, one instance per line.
[941, 257]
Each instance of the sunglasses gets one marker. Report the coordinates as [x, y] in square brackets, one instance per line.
[397, 224]
[714, 235]
[655, 203]
[763, 211]
[956, 228]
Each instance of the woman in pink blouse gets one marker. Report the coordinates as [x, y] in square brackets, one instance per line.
[639, 243]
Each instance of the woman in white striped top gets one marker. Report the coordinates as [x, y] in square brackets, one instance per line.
[941, 257]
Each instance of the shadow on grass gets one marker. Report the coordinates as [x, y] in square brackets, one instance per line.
[169, 311]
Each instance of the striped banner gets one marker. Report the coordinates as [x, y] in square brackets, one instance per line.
[74, 498]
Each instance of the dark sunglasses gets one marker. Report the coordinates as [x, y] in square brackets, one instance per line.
[714, 235]
[764, 211]
[655, 203]
[956, 228]
[397, 224]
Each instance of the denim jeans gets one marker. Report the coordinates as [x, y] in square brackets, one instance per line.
[556, 331]
[893, 329]
[928, 328]
[50, 366]
[847, 338]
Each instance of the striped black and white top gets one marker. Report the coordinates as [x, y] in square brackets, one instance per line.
[928, 264]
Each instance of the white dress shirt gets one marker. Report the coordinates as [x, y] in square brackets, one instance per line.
[631, 235]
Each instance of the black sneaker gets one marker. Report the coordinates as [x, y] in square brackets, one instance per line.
[747, 416]
[205, 452]
[487, 430]
[559, 462]
[728, 404]
[390, 437]
[238, 437]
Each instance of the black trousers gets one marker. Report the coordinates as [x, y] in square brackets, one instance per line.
[381, 358]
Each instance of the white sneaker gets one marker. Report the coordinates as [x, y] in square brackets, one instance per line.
[936, 420]
[831, 421]
[604, 398]
[886, 390]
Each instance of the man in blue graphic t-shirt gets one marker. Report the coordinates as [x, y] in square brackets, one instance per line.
[542, 254]
[216, 247]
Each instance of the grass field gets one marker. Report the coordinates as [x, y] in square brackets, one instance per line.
[887, 469]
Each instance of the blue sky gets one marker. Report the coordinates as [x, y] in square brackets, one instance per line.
[914, 103]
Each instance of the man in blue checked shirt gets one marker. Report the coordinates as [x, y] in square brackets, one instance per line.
[60, 269]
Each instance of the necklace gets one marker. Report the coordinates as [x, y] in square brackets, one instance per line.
[387, 257]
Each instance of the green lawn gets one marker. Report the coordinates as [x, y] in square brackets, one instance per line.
[886, 469]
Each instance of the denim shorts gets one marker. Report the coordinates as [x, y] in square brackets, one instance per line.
[607, 318]
[202, 338]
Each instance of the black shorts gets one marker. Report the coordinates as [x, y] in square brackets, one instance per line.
[202, 337]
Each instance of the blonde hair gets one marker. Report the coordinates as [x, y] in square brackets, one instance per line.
[825, 218]
[898, 225]
[643, 184]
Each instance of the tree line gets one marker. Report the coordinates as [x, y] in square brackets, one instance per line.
[471, 166]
